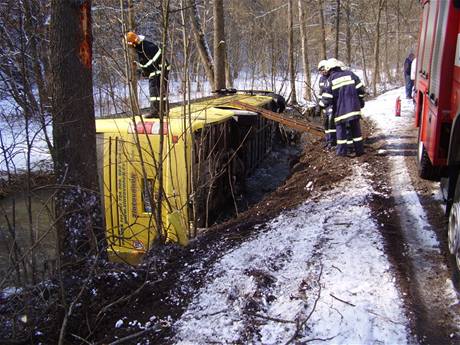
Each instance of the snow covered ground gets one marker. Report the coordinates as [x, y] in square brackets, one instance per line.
[318, 272]
[327, 274]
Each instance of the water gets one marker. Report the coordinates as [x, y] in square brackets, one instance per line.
[14, 222]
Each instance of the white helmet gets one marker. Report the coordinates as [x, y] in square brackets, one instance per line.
[332, 63]
[322, 65]
[342, 65]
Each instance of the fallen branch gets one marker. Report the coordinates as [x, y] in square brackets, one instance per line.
[341, 300]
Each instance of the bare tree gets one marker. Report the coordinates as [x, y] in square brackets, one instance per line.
[348, 31]
[293, 98]
[337, 29]
[201, 42]
[80, 231]
[132, 75]
[304, 47]
[219, 45]
[323, 30]
[376, 71]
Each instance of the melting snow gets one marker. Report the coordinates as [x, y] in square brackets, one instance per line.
[325, 259]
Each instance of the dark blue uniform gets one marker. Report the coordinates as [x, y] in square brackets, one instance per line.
[407, 78]
[329, 125]
[345, 93]
[149, 56]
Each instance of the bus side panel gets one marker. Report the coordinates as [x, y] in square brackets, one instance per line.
[176, 180]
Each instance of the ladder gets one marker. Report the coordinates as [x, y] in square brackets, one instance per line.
[299, 125]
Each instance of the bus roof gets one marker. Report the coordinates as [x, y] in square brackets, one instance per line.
[206, 111]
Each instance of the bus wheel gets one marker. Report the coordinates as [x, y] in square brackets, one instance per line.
[453, 235]
[425, 168]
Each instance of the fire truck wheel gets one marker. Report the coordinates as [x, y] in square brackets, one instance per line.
[453, 237]
[454, 232]
[426, 170]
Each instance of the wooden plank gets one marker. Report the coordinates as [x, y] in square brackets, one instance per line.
[299, 125]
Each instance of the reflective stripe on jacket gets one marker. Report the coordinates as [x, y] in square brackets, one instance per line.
[149, 55]
[322, 84]
[345, 92]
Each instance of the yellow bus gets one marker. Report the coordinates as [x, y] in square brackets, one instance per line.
[209, 146]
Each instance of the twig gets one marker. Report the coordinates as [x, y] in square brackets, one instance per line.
[135, 335]
[214, 313]
[300, 325]
[338, 312]
[384, 317]
[272, 318]
[80, 338]
[341, 300]
[72, 305]
[318, 339]
[338, 269]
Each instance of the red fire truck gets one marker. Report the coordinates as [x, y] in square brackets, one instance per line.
[437, 112]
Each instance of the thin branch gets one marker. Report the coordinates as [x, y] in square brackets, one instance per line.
[341, 300]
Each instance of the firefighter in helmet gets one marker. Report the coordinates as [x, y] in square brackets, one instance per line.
[149, 62]
[329, 126]
[345, 93]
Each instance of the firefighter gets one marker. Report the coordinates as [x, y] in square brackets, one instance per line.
[407, 78]
[329, 125]
[345, 93]
[149, 56]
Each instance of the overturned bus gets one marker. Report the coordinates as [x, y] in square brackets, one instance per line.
[163, 181]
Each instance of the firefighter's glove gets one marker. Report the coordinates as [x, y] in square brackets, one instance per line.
[361, 102]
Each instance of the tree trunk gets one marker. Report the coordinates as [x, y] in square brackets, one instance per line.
[363, 56]
[131, 26]
[201, 42]
[293, 98]
[323, 30]
[163, 113]
[305, 60]
[348, 32]
[376, 73]
[228, 71]
[127, 24]
[398, 42]
[219, 45]
[386, 62]
[78, 209]
[337, 29]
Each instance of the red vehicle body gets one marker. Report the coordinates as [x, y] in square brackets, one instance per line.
[437, 112]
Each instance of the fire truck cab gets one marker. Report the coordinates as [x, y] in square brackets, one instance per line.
[437, 108]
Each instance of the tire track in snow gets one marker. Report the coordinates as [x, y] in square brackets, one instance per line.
[432, 290]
